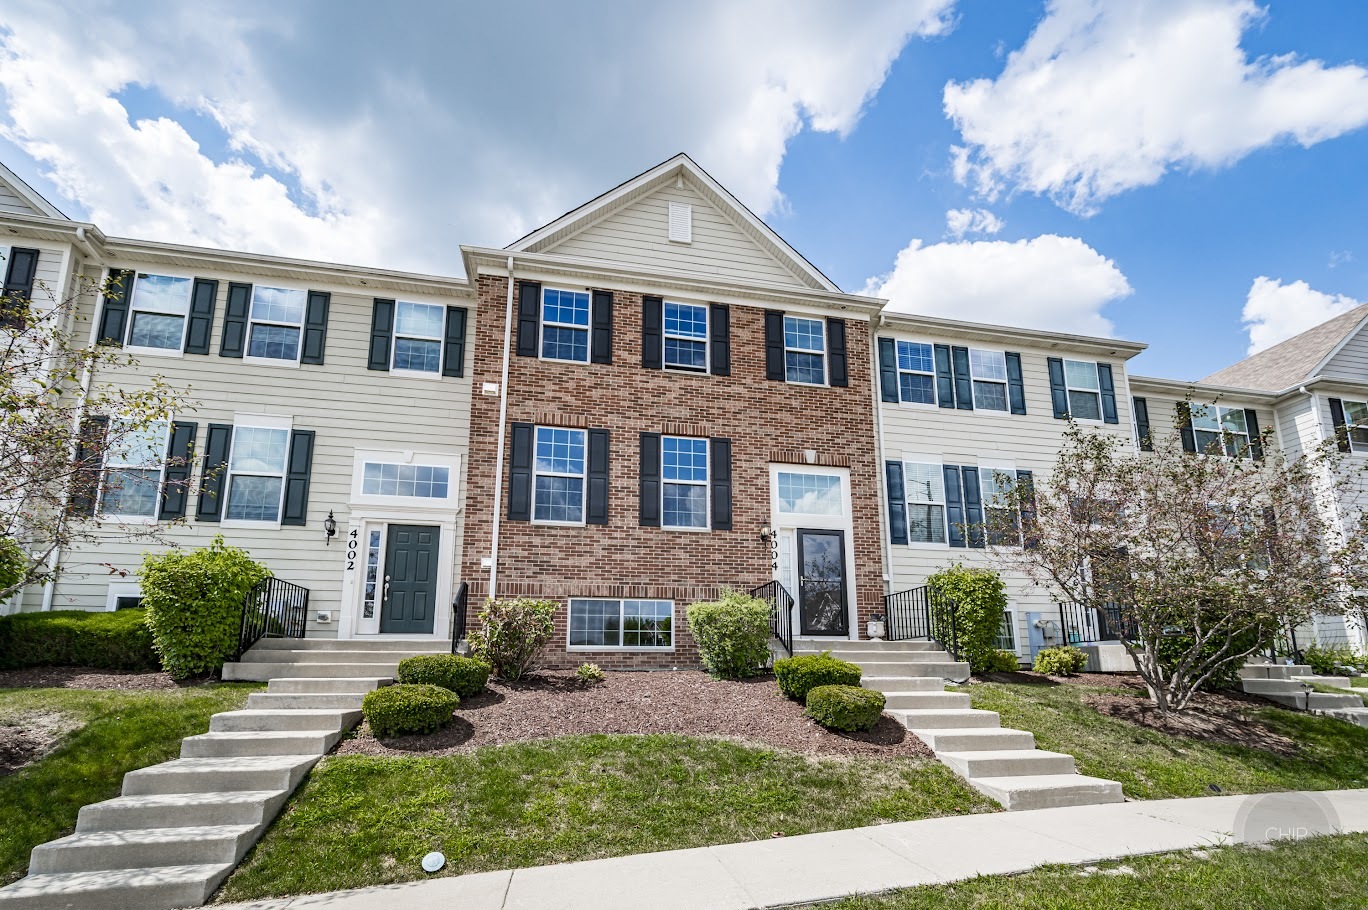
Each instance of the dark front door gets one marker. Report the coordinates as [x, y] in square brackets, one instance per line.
[410, 591]
[822, 583]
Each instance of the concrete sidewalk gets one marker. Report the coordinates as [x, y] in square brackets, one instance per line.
[818, 867]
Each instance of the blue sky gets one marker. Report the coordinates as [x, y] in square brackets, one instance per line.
[1190, 175]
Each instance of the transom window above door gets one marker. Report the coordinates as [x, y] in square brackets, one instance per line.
[277, 319]
[558, 476]
[805, 350]
[810, 494]
[418, 337]
[686, 337]
[988, 369]
[916, 373]
[157, 312]
[565, 325]
[410, 480]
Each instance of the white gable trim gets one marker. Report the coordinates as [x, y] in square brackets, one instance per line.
[29, 195]
[574, 221]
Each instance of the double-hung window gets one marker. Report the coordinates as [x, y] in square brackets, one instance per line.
[565, 325]
[418, 337]
[684, 482]
[996, 486]
[256, 473]
[158, 311]
[133, 471]
[645, 624]
[1217, 430]
[686, 337]
[1356, 423]
[916, 372]
[1085, 391]
[805, 350]
[558, 476]
[925, 486]
[277, 320]
[988, 369]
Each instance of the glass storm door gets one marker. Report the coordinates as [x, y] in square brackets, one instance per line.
[410, 584]
[822, 583]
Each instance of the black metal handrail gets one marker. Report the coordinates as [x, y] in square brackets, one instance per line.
[458, 615]
[1080, 625]
[1284, 644]
[274, 608]
[922, 613]
[781, 612]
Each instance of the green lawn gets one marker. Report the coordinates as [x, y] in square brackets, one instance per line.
[1360, 681]
[1322, 874]
[366, 821]
[1154, 765]
[121, 731]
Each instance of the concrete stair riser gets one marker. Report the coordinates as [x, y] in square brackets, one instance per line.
[317, 720]
[1326, 701]
[909, 657]
[157, 888]
[409, 646]
[271, 701]
[1337, 682]
[1048, 791]
[936, 669]
[925, 701]
[264, 672]
[287, 742]
[219, 775]
[327, 685]
[96, 850]
[948, 719]
[181, 810]
[903, 683]
[1271, 686]
[975, 740]
[1007, 763]
[807, 647]
[355, 658]
[1358, 716]
[1273, 671]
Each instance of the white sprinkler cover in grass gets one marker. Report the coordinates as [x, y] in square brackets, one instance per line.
[433, 861]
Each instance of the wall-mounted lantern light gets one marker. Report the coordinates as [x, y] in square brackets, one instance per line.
[329, 527]
[766, 533]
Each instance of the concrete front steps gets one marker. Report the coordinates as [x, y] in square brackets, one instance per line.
[1289, 685]
[321, 658]
[1002, 764]
[179, 828]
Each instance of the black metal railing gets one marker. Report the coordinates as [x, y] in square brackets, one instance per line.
[458, 615]
[781, 612]
[921, 613]
[1283, 645]
[272, 609]
[1080, 625]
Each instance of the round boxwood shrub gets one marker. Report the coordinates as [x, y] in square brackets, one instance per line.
[408, 708]
[77, 638]
[801, 674]
[1064, 660]
[463, 675]
[845, 708]
[732, 634]
[999, 661]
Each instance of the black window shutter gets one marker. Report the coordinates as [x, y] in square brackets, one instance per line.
[297, 470]
[774, 345]
[381, 335]
[1104, 381]
[1030, 536]
[1142, 424]
[720, 451]
[18, 289]
[954, 505]
[648, 476]
[214, 479]
[529, 317]
[1059, 393]
[1341, 427]
[888, 370]
[234, 340]
[201, 323]
[1183, 417]
[520, 473]
[85, 480]
[719, 332]
[897, 502]
[964, 384]
[453, 343]
[973, 506]
[596, 511]
[601, 320]
[114, 313]
[836, 353]
[1016, 387]
[315, 327]
[652, 333]
[1255, 434]
[945, 377]
[175, 491]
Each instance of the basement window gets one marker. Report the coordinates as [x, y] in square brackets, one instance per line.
[621, 624]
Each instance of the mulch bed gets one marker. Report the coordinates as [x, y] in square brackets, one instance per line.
[685, 702]
[86, 678]
[28, 737]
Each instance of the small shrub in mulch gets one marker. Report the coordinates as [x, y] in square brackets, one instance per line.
[846, 708]
[463, 675]
[408, 708]
[1211, 717]
[802, 673]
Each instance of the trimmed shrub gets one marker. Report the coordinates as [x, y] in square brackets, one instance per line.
[13, 562]
[845, 708]
[979, 599]
[463, 675]
[732, 634]
[999, 661]
[1329, 661]
[77, 638]
[802, 673]
[590, 674]
[194, 604]
[512, 634]
[408, 708]
[1064, 660]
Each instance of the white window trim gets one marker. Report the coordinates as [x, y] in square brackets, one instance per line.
[406, 457]
[587, 329]
[1224, 433]
[939, 462]
[106, 467]
[119, 589]
[986, 470]
[132, 292]
[897, 362]
[621, 602]
[1005, 382]
[826, 358]
[439, 338]
[706, 484]
[1011, 617]
[665, 336]
[807, 519]
[583, 479]
[255, 422]
[1097, 391]
[247, 340]
[1350, 425]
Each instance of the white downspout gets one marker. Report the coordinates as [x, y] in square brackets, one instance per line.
[879, 470]
[503, 430]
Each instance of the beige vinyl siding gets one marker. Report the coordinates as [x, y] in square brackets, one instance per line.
[1297, 425]
[1030, 442]
[11, 203]
[1350, 363]
[639, 235]
[347, 406]
[1163, 414]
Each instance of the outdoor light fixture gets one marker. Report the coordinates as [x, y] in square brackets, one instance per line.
[329, 527]
[766, 532]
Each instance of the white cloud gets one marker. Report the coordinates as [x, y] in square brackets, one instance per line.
[959, 222]
[393, 144]
[1105, 97]
[1048, 282]
[1274, 311]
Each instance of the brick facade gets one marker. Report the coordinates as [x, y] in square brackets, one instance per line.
[766, 421]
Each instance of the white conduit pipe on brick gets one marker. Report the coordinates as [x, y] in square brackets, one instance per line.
[503, 429]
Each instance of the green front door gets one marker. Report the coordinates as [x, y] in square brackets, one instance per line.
[410, 587]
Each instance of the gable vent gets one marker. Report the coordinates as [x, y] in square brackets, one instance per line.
[681, 222]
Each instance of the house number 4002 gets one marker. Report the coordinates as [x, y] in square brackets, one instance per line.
[353, 541]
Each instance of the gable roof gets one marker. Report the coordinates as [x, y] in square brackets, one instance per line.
[679, 167]
[1291, 362]
[16, 196]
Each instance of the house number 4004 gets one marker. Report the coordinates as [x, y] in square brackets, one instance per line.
[353, 541]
